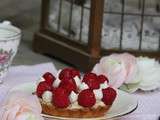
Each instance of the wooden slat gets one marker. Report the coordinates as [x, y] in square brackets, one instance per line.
[152, 54]
[44, 13]
[95, 28]
[45, 44]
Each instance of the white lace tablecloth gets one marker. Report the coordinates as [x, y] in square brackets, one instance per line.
[149, 102]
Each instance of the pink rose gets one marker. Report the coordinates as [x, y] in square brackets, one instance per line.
[3, 58]
[119, 68]
[21, 106]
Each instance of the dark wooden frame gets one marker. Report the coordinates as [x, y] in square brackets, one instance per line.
[82, 57]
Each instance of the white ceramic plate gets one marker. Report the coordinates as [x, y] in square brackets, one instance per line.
[123, 104]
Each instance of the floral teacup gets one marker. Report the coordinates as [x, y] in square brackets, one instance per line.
[9, 41]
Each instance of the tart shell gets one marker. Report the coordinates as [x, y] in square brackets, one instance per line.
[50, 109]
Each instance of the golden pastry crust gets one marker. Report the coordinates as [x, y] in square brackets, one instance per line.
[74, 113]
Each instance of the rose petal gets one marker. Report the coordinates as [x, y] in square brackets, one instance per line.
[119, 68]
[18, 104]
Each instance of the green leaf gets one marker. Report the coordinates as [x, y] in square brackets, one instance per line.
[130, 87]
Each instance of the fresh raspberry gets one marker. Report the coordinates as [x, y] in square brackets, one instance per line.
[86, 98]
[49, 78]
[102, 79]
[60, 98]
[53, 89]
[68, 85]
[75, 73]
[68, 73]
[91, 80]
[109, 95]
[42, 87]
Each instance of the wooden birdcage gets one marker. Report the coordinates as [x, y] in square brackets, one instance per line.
[63, 44]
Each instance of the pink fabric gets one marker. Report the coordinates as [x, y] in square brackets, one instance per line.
[19, 75]
[148, 106]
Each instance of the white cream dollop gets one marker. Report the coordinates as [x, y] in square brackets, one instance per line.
[73, 97]
[56, 82]
[41, 79]
[98, 94]
[83, 86]
[58, 73]
[104, 85]
[75, 105]
[99, 103]
[77, 80]
[47, 96]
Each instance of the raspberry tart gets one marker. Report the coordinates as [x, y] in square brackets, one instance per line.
[68, 94]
